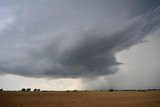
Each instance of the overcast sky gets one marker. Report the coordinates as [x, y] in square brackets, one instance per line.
[73, 44]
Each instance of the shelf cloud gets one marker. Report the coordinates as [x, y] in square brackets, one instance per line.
[70, 39]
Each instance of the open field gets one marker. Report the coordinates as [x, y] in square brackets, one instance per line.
[80, 99]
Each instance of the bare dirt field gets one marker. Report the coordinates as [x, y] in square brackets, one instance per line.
[80, 99]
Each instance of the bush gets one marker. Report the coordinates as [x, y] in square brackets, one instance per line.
[38, 90]
[111, 90]
[86, 91]
[28, 89]
[75, 91]
[67, 90]
[35, 90]
[1, 89]
[23, 89]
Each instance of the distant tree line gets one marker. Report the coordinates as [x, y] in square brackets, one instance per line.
[29, 89]
[141, 90]
[110, 90]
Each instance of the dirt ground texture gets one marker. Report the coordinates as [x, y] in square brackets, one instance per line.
[80, 99]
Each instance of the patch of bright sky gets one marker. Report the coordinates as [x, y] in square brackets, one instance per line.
[14, 82]
[140, 68]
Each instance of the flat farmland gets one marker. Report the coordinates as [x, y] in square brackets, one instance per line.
[80, 99]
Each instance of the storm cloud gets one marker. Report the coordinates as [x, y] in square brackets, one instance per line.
[70, 39]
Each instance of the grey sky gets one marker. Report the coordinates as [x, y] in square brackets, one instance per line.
[71, 38]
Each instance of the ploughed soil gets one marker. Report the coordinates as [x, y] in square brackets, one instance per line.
[80, 99]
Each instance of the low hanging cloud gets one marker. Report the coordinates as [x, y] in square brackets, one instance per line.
[87, 50]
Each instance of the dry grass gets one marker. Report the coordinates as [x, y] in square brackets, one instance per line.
[80, 99]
